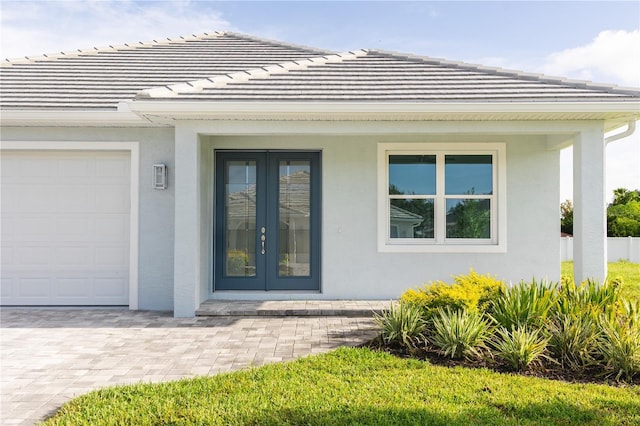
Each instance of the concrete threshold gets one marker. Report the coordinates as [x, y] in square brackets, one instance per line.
[296, 308]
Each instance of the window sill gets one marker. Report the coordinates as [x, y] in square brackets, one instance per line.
[442, 248]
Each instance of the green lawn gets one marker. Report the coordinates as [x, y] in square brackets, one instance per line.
[630, 273]
[357, 386]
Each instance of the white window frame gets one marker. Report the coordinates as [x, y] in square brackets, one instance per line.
[439, 244]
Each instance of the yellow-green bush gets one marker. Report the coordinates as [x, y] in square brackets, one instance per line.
[471, 292]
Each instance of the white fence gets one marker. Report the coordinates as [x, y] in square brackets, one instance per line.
[627, 248]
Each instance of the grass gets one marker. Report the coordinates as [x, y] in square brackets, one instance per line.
[356, 386]
[630, 273]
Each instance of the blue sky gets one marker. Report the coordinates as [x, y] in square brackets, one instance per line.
[597, 40]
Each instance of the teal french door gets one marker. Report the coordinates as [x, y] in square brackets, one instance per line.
[267, 220]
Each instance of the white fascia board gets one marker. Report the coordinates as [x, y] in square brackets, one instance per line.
[73, 118]
[200, 107]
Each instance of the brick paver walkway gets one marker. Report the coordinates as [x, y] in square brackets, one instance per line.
[50, 356]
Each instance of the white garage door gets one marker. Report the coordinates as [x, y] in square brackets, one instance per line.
[65, 227]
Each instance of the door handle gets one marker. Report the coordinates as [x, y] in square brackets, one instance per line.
[262, 240]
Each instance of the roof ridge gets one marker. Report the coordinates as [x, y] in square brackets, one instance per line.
[110, 48]
[280, 43]
[196, 86]
[575, 83]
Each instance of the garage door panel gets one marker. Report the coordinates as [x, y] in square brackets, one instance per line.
[110, 287]
[112, 168]
[81, 200]
[6, 286]
[33, 255]
[8, 251]
[111, 255]
[33, 286]
[74, 255]
[73, 167]
[29, 169]
[70, 288]
[25, 228]
[26, 198]
[65, 228]
[111, 228]
[74, 227]
[111, 199]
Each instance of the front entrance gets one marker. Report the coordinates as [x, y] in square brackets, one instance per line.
[267, 220]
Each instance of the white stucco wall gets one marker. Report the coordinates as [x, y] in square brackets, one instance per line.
[156, 208]
[352, 266]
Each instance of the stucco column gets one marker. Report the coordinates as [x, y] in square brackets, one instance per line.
[186, 275]
[589, 205]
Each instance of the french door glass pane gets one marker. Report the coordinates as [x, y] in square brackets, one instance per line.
[411, 218]
[240, 218]
[468, 218]
[294, 233]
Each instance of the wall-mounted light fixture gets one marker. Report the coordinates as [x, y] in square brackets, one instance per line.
[160, 178]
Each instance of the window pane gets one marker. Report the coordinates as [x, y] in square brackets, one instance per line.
[294, 237]
[468, 174]
[412, 174]
[240, 218]
[468, 218]
[411, 218]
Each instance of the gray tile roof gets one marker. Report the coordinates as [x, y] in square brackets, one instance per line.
[100, 78]
[224, 67]
[370, 75]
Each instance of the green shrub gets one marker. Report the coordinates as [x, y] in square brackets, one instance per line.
[402, 325]
[573, 340]
[459, 333]
[237, 260]
[471, 292]
[526, 304]
[619, 347]
[519, 348]
[590, 297]
[630, 310]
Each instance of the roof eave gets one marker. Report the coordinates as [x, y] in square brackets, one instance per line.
[184, 110]
[71, 117]
[149, 113]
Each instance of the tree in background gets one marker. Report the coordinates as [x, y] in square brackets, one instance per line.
[566, 217]
[623, 214]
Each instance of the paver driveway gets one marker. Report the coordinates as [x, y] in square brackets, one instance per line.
[49, 356]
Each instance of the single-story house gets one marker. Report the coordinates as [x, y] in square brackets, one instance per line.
[222, 166]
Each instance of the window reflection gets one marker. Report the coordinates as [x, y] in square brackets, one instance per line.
[457, 188]
[294, 197]
[468, 218]
[468, 174]
[412, 174]
[240, 218]
[411, 218]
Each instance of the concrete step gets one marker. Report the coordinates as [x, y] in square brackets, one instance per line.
[299, 308]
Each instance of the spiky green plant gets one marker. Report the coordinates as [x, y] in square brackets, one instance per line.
[520, 347]
[526, 304]
[589, 297]
[459, 333]
[402, 324]
[573, 340]
[619, 347]
[630, 311]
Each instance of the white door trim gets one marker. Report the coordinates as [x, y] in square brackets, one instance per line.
[134, 150]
